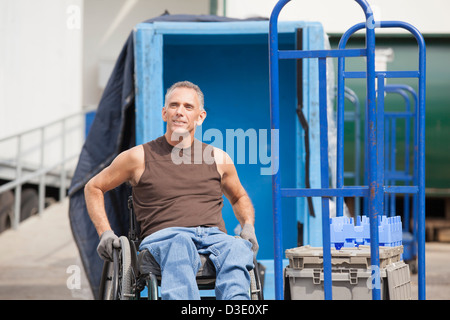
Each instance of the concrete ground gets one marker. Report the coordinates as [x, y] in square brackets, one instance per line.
[437, 270]
[40, 261]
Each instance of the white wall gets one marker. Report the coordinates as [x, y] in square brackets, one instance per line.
[107, 24]
[40, 73]
[337, 16]
[40, 62]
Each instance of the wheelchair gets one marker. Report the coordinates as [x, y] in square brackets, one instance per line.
[133, 271]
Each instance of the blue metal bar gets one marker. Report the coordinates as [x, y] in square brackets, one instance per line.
[388, 74]
[421, 164]
[393, 158]
[398, 175]
[387, 164]
[358, 158]
[297, 54]
[351, 95]
[402, 87]
[345, 191]
[324, 177]
[380, 139]
[401, 189]
[399, 114]
[340, 138]
[326, 192]
[375, 205]
[275, 125]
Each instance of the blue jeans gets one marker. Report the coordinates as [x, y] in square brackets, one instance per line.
[177, 252]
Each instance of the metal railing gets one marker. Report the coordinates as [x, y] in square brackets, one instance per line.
[39, 171]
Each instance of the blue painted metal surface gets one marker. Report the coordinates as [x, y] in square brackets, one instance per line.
[375, 189]
[313, 39]
[149, 74]
[326, 244]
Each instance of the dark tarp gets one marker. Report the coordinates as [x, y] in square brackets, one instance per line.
[112, 132]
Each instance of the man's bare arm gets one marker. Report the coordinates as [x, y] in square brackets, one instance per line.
[233, 189]
[126, 167]
[238, 197]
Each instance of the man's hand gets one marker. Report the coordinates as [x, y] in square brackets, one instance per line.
[108, 240]
[248, 233]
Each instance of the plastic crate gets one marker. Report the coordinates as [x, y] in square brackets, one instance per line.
[350, 284]
[312, 257]
[351, 273]
[399, 281]
[344, 233]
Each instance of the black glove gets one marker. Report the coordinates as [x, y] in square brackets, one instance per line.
[248, 233]
[108, 240]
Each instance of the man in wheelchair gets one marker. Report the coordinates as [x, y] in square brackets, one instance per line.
[177, 184]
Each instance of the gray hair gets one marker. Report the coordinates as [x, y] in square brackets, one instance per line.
[190, 85]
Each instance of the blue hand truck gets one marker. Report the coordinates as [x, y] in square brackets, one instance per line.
[375, 189]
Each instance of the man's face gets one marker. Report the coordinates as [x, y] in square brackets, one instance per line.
[182, 112]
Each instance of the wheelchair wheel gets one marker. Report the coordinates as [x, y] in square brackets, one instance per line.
[117, 276]
[256, 290]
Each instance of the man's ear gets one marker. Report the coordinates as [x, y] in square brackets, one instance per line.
[164, 114]
[201, 117]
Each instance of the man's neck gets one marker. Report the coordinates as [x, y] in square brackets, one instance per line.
[180, 140]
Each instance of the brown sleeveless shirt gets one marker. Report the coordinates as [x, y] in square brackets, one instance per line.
[178, 188]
